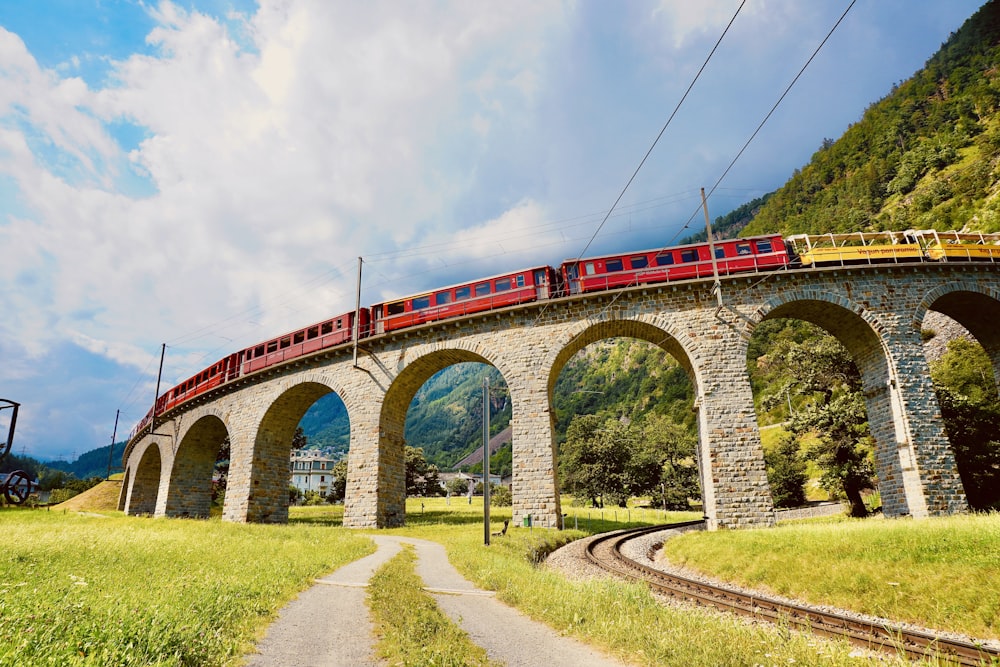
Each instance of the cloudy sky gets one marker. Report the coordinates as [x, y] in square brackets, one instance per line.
[205, 173]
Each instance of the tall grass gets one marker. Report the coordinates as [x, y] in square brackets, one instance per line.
[942, 573]
[112, 590]
[623, 618]
[411, 627]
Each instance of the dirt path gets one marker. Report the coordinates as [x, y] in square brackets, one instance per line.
[329, 624]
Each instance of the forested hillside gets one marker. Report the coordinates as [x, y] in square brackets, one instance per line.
[925, 156]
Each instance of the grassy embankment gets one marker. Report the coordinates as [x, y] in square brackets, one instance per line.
[620, 617]
[90, 590]
[942, 573]
[113, 590]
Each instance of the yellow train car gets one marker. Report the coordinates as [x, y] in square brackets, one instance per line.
[857, 248]
[957, 246]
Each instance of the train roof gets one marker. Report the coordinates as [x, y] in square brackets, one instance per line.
[574, 260]
[981, 237]
[462, 284]
[853, 237]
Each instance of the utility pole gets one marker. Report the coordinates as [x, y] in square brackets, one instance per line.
[159, 376]
[486, 460]
[357, 315]
[716, 286]
[111, 452]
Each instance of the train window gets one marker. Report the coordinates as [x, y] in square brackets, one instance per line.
[689, 255]
[743, 249]
[325, 328]
[482, 289]
[312, 332]
[640, 262]
[272, 346]
[442, 298]
[503, 284]
[613, 265]
[764, 246]
[720, 252]
[421, 302]
[299, 337]
[340, 323]
[395, 308]
[520, 280]
[539, 277]
[588, 269]
[285, 342]
[665, 259]
[259, 352]
[462, 293]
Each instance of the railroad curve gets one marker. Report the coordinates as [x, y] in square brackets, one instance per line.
[605, 551]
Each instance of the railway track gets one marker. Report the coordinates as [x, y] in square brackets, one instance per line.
[605, 552]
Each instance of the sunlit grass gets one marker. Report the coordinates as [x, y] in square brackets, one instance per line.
[942, 573]
[114, 590]
[622, 618]
[411, 627]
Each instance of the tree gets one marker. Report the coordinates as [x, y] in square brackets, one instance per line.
[501, 496]
[786, 473]
[299, 439]
[338, 482]
[457, 486]
[843, 447]
[808, 363]
[594, 459]
[663, 464]
[422, 479]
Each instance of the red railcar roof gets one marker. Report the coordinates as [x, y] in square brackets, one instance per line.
[462, 284]
[626, 253]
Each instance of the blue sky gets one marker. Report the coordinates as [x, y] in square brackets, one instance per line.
[205, 174]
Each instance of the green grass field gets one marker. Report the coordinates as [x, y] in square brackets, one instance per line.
[114, 590]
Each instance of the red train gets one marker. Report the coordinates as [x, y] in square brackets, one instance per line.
[536, 283]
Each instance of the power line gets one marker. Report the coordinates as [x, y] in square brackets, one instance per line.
[662, 130]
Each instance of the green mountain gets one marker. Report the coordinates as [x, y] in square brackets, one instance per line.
[923, 157]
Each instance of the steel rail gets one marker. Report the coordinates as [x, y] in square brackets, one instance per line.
[605, 552]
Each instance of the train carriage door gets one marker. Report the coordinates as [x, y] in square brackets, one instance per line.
[542, 287]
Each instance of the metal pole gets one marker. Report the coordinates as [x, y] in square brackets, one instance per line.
[716, 286]
[357, 315]
[159, 376]
[114, 434]
[486, 461]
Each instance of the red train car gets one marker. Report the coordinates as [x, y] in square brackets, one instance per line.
[678, 263]
[539, 282]
[315, 337]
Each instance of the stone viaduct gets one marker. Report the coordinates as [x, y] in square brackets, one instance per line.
[875, 311]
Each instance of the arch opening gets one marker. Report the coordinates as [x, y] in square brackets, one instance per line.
[268, 492]
[431, 432]
[829, 412]
[625, 424]
[963, 352]
[198, 476]
[146, 484]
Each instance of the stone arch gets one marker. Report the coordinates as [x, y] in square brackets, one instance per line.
[870, 343]
[142, 497]
[189, 489]
[266, 492]
[391, 479]
[656, 331]
[123, 494]
[975, 307]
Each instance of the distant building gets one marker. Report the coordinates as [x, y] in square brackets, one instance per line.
[471, 478]
[311, 470]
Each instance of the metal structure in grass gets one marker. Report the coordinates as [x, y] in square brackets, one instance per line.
[17, 486]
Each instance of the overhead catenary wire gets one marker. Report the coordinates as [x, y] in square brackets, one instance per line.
[756, 131]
